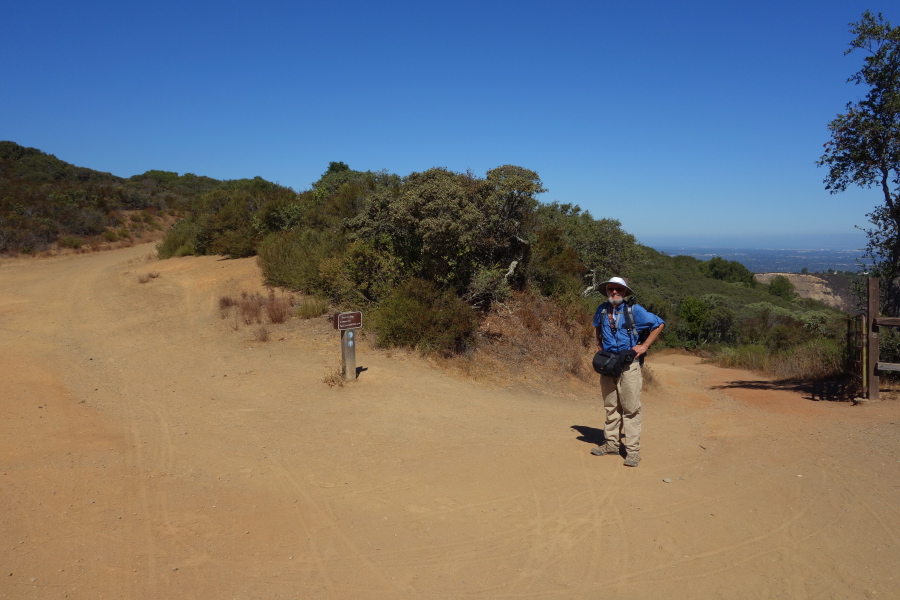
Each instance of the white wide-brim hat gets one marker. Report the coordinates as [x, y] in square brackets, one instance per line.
[617, 281]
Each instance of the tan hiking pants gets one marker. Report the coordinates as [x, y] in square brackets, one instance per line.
[622, 402]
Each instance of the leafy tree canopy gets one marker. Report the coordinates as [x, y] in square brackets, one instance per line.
[864, 149]
[727, 270]
[782, 287]
[445, 226]
[603, 247]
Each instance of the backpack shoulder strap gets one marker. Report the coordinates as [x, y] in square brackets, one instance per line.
[601, 313]
[629, 317]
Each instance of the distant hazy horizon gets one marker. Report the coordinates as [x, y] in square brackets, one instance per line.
[774, 260]
[806, 241]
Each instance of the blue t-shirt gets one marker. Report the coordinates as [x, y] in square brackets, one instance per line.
[618, 339]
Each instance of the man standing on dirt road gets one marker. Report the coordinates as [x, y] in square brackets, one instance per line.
[622, 325]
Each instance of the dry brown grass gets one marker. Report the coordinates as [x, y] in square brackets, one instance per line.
[333, 376]
[245, 308]
[278, 309]
[249, 307]
[535, 333]
[261, 333]
[144, 278]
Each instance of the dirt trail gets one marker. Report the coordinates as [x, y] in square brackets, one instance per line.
[149, 450]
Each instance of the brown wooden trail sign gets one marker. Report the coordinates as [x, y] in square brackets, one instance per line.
[347, 320]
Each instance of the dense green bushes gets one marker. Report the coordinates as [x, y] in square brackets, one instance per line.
[292, 258]
[817, 358]
[180, 240]
[429, 254]
[730, 271]
[782, 287]
[420, 315]
[361, 273]
[445, 227]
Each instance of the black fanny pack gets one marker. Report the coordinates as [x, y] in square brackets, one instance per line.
[613, 363]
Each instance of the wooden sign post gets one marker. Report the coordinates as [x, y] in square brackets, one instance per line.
[348, 323]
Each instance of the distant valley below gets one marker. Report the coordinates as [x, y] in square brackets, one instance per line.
[774, 260]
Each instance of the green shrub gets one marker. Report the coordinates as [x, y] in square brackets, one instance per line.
[782, 287]
[234, 243]
[753, 357]
[727, 270]
[181, 240]
[292, 258]
[889, 345]
[692, 317]
[419, 315]
[488, 286]
[555, 267]
[362, 274]
[71, 241]
[817, 358]
[312, 307]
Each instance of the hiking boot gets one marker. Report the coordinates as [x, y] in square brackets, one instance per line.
[607, 448]
[632, 459]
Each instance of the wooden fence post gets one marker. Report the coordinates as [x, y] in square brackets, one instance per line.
[872, 338]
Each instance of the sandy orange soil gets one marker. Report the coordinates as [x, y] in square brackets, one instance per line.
[148, 449]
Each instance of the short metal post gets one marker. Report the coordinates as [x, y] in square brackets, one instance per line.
[348, 354]
[348, 323]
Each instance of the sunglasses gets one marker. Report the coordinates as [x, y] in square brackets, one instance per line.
[615, 289]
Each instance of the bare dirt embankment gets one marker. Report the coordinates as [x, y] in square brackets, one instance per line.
[150, 450]
[833, 290]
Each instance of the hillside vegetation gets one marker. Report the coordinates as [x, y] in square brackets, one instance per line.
[46, 202]
[449, 263]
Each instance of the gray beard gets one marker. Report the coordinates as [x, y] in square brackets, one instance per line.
[617, 301]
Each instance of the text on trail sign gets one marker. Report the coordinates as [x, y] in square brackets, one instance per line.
[347, 320]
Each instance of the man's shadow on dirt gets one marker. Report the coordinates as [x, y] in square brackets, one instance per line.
[590, 435]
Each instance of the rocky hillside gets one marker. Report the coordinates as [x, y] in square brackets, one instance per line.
[831, 288]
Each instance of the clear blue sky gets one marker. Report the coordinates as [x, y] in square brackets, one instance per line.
[690, 122]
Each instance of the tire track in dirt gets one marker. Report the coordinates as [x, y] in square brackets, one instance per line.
[99, 310]
[580, 520]
[149, 397]
[96, 308]
[290, 483]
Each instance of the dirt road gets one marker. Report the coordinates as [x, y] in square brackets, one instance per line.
[150, 450]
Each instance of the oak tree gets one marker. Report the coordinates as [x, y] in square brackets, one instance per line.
[864, 149]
